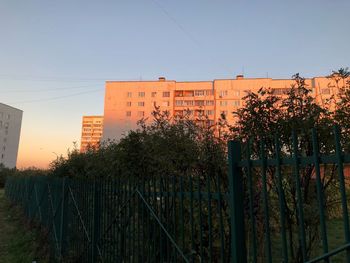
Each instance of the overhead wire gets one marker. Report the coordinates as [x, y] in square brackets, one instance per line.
[187, 33]
[57, 97]
[43, 90]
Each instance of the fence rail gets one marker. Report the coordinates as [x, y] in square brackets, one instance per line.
[275, 204]
[158, 220]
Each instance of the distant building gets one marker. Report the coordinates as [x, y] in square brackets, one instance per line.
[91, 133]
[10, 129]
[126, 102]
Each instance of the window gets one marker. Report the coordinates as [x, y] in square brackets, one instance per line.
[199, 102]
[179, 102]
[209, 92]
[179, 93]
[209, 103]
[141, 94]
[166, 94]
[223, 93]
[8, 116]
[223, 103]
[141, 104]
[209, 112]
[199, 93]
[165, 103]
[128, 113]
[236, 103]
[128, 104]
[325, 91]
[236, 93]
[129, 94]
[188, 102]
[280, 91]
[6, 125]
[153, 94]
[140, 113]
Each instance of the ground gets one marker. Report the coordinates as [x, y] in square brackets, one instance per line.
[17, 242]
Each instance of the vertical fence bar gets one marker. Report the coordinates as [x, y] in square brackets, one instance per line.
[192, 219]
[96, 220]
[251, 202]
[265, 203]
[238, 246]
[174, 213]
[200, 218]
[338, 150]
[299, 195]
[281, 199]
[221, 221]
[319, 189]
[63, 217]
[210, 237]
[182, 213]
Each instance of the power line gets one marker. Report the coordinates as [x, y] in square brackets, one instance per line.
[52, 78]
[187, 33]
[41, 90]
[57, 98]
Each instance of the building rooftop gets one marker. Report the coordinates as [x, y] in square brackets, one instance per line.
[10, 106]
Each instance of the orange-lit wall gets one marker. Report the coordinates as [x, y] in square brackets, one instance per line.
[91, 132]
[126, 102]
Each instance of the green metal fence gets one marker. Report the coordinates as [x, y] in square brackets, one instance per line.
[286, 198]
[275, 205]
[166, 219]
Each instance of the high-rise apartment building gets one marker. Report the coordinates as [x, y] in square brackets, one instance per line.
[91, 132]
[126, 102]
[10, 129]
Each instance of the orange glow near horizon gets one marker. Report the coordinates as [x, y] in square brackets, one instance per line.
[38, 148]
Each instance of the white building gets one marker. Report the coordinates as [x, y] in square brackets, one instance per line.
[10, 129]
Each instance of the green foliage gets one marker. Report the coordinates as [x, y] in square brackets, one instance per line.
[266, 118]
[181, 147]
[175, 147]
[5, 172]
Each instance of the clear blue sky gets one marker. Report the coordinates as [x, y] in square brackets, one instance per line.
[55, 55]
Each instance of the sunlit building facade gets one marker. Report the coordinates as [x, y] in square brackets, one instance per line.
[10, 130]
[126, 102]
[91, 132]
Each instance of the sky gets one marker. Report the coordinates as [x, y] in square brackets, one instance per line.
[55, 56]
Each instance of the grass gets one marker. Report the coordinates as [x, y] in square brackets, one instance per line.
[335, 235]
[18, 243]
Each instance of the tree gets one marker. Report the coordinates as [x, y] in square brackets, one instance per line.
[267, 117]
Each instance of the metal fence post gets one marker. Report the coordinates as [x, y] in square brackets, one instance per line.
[96, 220]
[238, 245]
[63, 219]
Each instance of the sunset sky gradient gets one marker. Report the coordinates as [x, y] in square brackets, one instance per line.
[56, 55]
